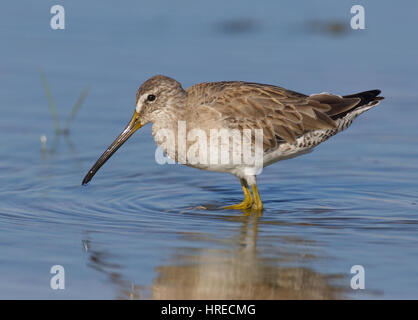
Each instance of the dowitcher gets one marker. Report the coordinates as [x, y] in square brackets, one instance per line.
[292, 123]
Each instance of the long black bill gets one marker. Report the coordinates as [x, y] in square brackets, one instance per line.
[133, 125]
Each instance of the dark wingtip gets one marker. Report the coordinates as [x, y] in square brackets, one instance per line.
[366, 96]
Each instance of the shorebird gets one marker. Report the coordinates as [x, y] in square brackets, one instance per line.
[292, 123]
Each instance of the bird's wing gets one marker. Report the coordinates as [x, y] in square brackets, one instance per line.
[283, 115]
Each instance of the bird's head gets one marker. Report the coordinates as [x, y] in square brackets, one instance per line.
[156, 97]
[154, 100]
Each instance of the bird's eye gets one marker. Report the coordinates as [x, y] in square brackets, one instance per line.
[151, 97]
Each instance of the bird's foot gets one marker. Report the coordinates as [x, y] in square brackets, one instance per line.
[257, 207]
[258, 204]
[245, 204]
[197, 208]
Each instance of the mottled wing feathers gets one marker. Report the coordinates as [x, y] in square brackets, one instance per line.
[284, 115]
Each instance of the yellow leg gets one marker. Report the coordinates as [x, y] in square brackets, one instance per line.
[248, 200]
[258, 205]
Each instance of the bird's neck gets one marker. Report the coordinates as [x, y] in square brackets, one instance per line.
[170, 125]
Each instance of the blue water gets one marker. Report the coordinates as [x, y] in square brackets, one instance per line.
[133, 232]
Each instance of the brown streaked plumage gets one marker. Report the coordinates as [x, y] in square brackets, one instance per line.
[292, 123]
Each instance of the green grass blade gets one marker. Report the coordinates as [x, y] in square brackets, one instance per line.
[51, 102]
[76, 107]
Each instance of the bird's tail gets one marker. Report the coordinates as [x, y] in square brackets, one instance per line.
[368, 99]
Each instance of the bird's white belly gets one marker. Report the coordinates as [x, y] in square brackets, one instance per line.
[302, 145]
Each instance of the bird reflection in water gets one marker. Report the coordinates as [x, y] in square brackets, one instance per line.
[239, 272]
